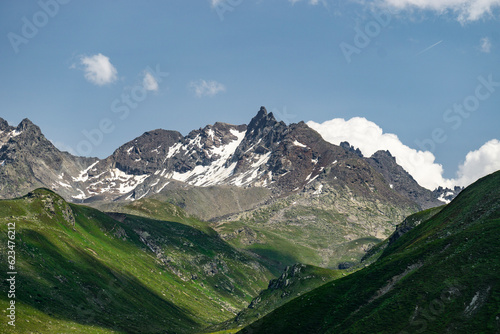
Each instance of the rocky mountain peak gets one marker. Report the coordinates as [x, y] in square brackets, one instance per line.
[262, 121]
[383, 155]
[349, 148]
[27, 126]
[262, 112]
[4, 125]
[446, 195]
[401, 181]
[263, 134]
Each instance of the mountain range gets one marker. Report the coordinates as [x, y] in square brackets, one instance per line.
[258, 228]
[265, 153]
[279, 191]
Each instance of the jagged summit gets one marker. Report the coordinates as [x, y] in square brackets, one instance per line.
[28, 161]
[446, 195]
[261, 113]
[3, 124]
[383, 154]
[24, 127]
[28, 128]
[262, 120]
[348, 147]
[25, 123]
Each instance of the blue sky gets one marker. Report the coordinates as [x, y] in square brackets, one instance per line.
[226, 58]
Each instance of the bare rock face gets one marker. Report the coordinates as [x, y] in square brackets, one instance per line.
[28, 161]
[144, 154]
[401, 181]
[286, 277]
[446, 195]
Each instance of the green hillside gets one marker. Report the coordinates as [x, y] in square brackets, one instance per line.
[81, 271]
[324, 229]
[442, 276]
[327, 224]
[293, 282]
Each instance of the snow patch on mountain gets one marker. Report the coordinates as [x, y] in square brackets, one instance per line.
[84, 175]
[218, 170]
[263, 159]
[173, 150]
[80, 196]
[319, 190]
[296, 143]
[163, 187]
[15, 133]
[118, 181]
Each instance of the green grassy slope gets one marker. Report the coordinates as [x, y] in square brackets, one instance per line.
[440, 277]
[81, 271]
[328, 223]
[293, 282]
[407, 225]
[322, 229]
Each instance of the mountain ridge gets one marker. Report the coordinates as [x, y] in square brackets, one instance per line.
[81, 270]
[264, 153]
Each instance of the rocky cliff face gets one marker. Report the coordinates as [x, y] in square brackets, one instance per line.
[402, 182]
[446, 195]
[28, 161]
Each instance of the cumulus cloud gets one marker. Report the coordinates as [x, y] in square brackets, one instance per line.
[203, 88]
[98, 69]
[485, 45]
[477, 164]
[369, 138]
[149, 82]
[466, 10]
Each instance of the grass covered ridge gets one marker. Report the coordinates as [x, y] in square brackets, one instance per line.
[79, 270]
[441, 276]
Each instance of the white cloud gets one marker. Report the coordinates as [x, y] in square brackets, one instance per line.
[149, 82]
[98, 69]
[206, 88]
[484, 161]
[466, 10]
[369, 138]
[485, 45]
